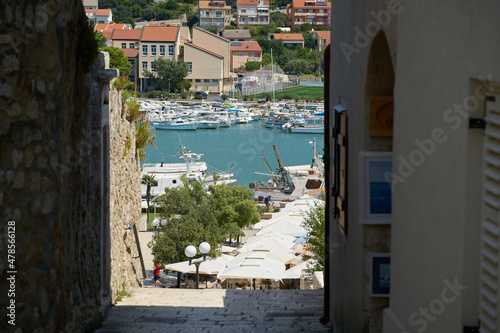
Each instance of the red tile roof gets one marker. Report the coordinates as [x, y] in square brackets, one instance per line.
[107, 33]
[246, 46]
[252, 2]
[206, 5]
[289, 36]
[204, 50]
[159, 34]
[130, 53]
[99, 12]
[126, 34]
[323, 34]
[302, 3]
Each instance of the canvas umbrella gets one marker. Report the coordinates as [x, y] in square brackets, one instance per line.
[210, 266]
[272, 253]
[252, 269]
[296, 271]
[301, 239]
[284, 227]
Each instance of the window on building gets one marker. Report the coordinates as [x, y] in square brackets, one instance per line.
[299, 11]
[218, 14]
[243, 10]
[206, 80]
[162, 50]
[131, 45]
[240, 64]
[198, 80]
[153, 50]
[207, 13]
[311, 11]
[252, 55]
[215, 81]
[240, 54]
[152, 66]
[170, 50]
[144, 66]
[321, 11]
[144, 50]
[190, 66]
[124, 45]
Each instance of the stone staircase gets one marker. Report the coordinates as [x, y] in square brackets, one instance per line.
[207, 310]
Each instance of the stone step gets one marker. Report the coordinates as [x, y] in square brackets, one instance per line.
[206, 310]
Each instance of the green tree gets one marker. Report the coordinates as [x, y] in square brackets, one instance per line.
[183, 85]
[199, 216]
[148, 180]
[308, 40]
[252, 65]
[278, 18]
[165, 70]
[130, 21]
[297, 65]
[314, 223]
[101, 40]
[118, 60]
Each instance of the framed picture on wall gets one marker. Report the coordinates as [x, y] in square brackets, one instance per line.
[380, 274]
[375, 170]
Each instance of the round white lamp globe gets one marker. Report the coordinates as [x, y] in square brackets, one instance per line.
[163, 222]
[204, 248]
[190, 251]
[156, 222]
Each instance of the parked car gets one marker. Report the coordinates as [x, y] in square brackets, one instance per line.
[201, 93]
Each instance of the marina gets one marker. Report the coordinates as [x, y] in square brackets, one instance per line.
[237, 149]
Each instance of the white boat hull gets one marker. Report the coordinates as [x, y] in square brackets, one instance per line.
[308, 130]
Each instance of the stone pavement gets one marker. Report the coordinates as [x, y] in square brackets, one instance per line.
[206, 310]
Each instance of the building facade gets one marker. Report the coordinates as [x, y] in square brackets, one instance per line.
[252, 12]
[214, 14]
[206, 68]
[90, 4]
[413, 206]
[156, 42]
[215, 44]
[99, 15]
[242, 52]
[314, 12]
[321, 40]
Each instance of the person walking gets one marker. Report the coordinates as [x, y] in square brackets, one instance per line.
[156, 275]
[217, 285]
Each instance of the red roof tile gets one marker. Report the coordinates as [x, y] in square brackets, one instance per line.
[99, 12]
[302, 3]
[126, 34]
[130, 53]
[205, 5]
[252, 2]
[246, 46]
[204, 50]
[289, 36]
[323, 34]
[107, 33]
[159, 34]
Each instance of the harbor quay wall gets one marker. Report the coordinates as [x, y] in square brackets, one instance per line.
[59, 220]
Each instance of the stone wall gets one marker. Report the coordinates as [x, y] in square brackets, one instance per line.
[125, 199]
[55, 173]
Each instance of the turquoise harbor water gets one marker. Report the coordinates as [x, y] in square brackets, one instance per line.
[240, 146]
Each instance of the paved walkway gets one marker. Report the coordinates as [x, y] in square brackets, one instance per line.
[205, 310]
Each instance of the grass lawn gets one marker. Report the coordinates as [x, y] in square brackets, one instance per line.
[297, 90]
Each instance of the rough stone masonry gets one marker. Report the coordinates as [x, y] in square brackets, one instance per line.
[67, 192]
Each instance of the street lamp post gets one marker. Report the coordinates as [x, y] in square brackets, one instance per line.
[190, 252]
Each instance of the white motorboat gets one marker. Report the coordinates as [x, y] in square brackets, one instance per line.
[313, 125]
[168, 175]
[177, 124]
[208, 123]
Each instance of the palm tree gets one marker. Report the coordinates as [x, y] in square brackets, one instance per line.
[148, 180]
